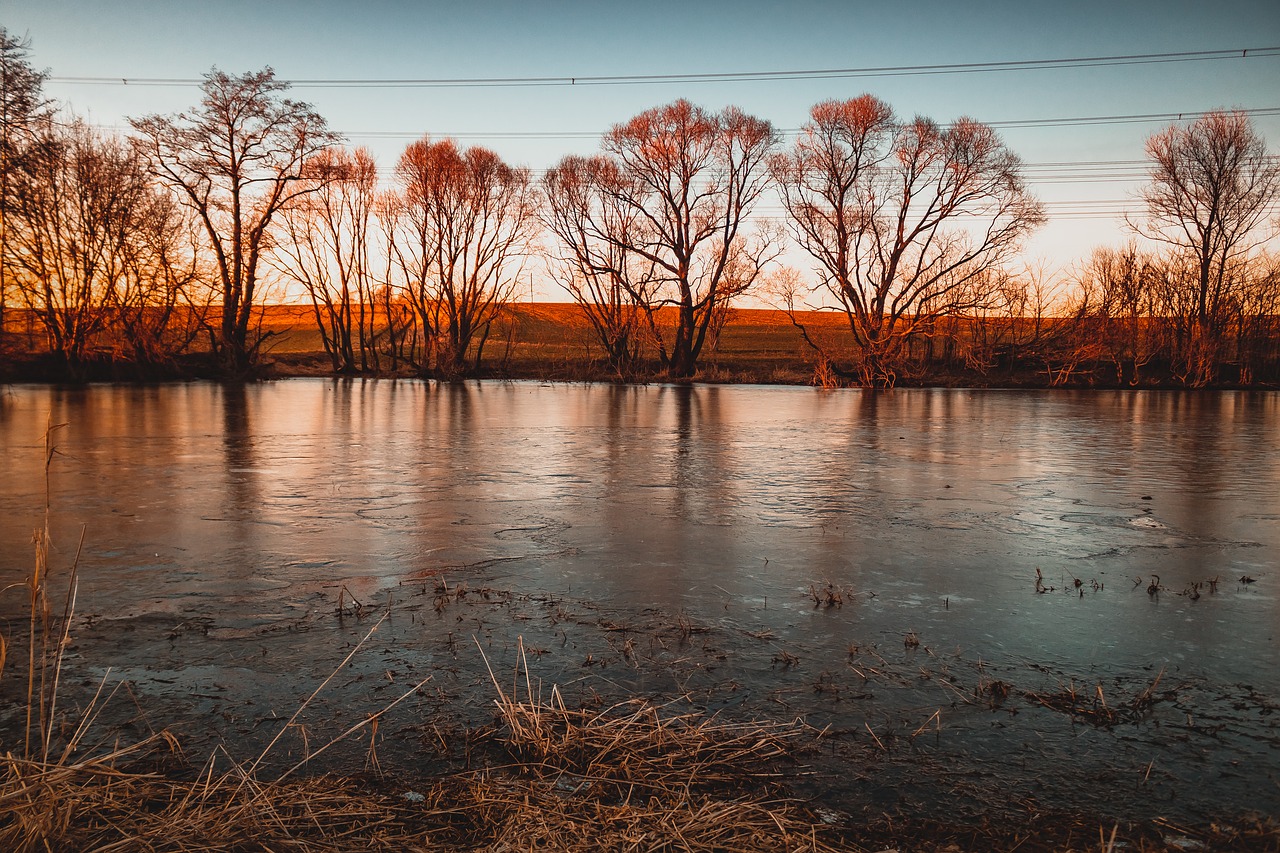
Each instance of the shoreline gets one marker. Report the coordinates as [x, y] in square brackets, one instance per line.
[553, 342]
[493, 758]
[314, 365]
[500, 760]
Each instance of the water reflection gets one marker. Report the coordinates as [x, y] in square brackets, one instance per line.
[244, 505]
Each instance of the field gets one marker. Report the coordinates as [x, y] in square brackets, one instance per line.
[553, 340]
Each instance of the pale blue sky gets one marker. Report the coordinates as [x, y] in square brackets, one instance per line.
[380, 39]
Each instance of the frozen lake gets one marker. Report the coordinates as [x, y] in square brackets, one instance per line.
[767, 551]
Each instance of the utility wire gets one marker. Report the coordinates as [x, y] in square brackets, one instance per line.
[1073, 121]
[1037, 173]
[1082, 121]
[722, 77]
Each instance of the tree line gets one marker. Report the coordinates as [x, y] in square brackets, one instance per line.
[162, 242]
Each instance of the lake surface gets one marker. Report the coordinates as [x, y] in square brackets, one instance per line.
[767, 552]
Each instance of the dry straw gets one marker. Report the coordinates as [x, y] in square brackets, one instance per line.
[630, 778]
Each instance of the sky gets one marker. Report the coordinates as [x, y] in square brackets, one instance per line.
[1088, 173]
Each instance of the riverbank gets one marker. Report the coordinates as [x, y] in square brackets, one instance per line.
[724, 370]
[519, 763]
[553, 767]
[520, 806]
[553, 342]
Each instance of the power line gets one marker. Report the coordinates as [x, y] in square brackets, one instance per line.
[1072, 121]
[1036, 173]
[1139, 118]
[723, 76]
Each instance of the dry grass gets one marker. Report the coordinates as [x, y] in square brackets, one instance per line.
[1093, 706]
[102, 810]
[98, 805]
[517, 815]
[627, 779]
[650, 780]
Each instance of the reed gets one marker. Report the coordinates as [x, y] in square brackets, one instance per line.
[1095, 709]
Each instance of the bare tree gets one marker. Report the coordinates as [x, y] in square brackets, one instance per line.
[613, 284]
[396, 318]
[462, 230]
[401, 329]
[71, 206]
[1213, 187]
[237, 159]
[94, 245]
[1127, 289]
[326, 245]
[162, 301]
[1257, 319]
[904, 220]
[22, 106]
[688, 180]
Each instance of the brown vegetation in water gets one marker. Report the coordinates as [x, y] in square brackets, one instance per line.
[547, 776]
[631, 777]
[543, 775]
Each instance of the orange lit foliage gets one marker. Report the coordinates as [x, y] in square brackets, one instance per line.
[326, 245]
[459, 232]
[904, 219]
[686, 182]
[97, 253]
